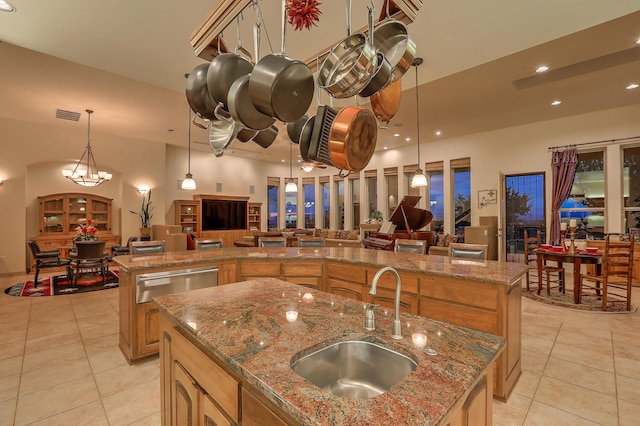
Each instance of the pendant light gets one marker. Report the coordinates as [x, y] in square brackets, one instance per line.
[188, 182]
[418, 179]
[291, 184]
[86, 172]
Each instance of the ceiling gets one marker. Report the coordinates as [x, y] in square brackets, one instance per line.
[478, 72]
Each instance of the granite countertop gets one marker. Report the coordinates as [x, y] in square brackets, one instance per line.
[506, 273]
[243, 326]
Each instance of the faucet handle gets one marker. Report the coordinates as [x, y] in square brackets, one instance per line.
[370, 317]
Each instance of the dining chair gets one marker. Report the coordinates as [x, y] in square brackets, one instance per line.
[124, 249]
[306, 241]
[402, 245]
[468, 251]
[148, 247]
[616, 273]
[552, 274]
[208, 244]
[272, 242]
[90, 258]
[45, 259]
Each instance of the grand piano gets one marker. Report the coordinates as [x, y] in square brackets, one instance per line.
[407, 220]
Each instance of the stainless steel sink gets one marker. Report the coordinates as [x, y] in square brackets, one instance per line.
[354, 369]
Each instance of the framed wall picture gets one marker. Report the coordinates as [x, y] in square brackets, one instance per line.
[487, 196]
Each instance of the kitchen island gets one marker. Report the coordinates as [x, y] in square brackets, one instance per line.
[485, 296]
[226, 355]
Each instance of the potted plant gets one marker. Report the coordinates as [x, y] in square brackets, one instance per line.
[376, 216]
[145, 214]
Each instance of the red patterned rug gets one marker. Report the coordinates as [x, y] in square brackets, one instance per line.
[61, 285]
[590, 302]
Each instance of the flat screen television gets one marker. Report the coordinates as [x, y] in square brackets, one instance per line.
[223, 214]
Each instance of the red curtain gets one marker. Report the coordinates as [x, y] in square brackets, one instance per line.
[563, 168]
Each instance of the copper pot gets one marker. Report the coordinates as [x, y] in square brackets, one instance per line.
[352, 139]
[385, 103]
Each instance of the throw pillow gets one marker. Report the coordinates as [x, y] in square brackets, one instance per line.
[353, 234]
[191, 244]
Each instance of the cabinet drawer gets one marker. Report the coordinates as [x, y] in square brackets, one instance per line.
[223, 388]
[302, 269]
[260, 269]
[347, 272]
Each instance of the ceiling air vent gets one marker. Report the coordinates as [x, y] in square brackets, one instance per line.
[67, 115]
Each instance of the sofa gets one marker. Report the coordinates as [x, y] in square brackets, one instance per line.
[332, 238]
[174, 239]
[441, 246]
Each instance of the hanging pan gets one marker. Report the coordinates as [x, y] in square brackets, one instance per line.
[350, 65]
[240, 105]
[385, 103]
[391, 38]
[352, 139]
[198, 95]
[279, 86]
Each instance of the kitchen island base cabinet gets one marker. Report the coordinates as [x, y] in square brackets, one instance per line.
[196, 390]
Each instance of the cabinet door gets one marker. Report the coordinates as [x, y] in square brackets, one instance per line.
[77, 215]
[184, 409]
[255, 413]
[52, 216]
[347, 289]
[211, 414]
[226, 273]
[148, 323]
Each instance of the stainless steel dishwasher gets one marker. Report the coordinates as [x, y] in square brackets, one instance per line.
[175, 281]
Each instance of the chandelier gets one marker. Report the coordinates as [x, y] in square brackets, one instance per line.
[86, 171]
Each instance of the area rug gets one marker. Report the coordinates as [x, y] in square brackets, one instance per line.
[590, 303]
[61, 285]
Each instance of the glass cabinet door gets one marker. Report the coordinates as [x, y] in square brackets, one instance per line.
[100, 215]
[53, 215]
[77, 213]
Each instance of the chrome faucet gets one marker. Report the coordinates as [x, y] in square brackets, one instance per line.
[396, 333]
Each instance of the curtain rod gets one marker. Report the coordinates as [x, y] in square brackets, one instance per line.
[551, 148]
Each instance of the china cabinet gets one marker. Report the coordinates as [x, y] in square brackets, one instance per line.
[187, 215]
[60, 214]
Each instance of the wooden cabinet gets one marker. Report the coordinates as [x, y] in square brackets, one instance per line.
[60, 214]
[196, 390]
[476, 410]
[255, 216]
[188, 215]
[308, 273]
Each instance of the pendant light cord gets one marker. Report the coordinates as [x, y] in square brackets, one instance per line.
[416, 63]
[189, 132]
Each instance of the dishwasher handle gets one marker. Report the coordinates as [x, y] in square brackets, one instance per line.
[148, 279]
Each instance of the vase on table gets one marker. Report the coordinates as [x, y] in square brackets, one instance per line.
[145, 232]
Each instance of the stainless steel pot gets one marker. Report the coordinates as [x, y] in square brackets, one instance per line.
[279, 86]
[222, 132]
[223, 71]
[294, 128]
[243, 110]
[266, 137]
[391, 38]
[380, 79]
[350, 65]
[198, 95]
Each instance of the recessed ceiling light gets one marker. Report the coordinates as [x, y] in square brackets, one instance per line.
[396, 134]
[542, 68]
[632, 86]
[407, 139]
[5, 6]
[384, 147]
[438, 132]
[283, 161]
[556, 102]
[638, 41]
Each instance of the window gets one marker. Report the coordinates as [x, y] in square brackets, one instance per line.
[355, 196]
[586, 200]
[391, 180]
[273, 188]
[371, 183]
[291, 208]
[631, 189]
[461, 170]
[524, 210]
[435, 195]
[339, 212]
[309, 188]
[326, 195]
[409, 171]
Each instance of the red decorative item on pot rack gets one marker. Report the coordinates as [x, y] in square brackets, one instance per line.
[303, 13]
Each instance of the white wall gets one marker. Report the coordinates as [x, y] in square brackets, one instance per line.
[31, 157]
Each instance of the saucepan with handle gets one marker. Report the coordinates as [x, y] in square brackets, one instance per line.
[279, 86]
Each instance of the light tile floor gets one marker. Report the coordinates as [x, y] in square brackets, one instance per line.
[60, 365]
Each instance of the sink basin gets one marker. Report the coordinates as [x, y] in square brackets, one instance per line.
[354, 369]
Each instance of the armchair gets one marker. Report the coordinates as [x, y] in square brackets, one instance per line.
[45, 259]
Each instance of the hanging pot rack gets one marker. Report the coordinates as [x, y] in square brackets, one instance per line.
[205, 38]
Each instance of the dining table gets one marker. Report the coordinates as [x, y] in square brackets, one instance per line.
[577, 258]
